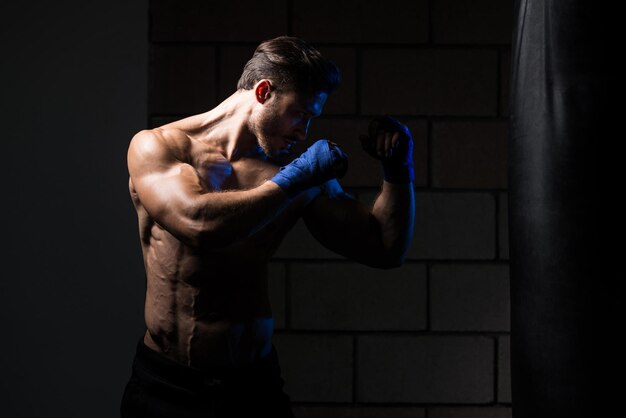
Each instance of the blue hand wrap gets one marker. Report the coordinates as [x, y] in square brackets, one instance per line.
[319, 163]
[399, 167]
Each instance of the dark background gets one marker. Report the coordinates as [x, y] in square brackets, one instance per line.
[429, 339]
[74, 90]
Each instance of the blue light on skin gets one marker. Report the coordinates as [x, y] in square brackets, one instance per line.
[315, 105]
[301, 111]
[220, 170]
[309, 109]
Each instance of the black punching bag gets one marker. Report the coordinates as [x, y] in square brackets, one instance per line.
[557, 97]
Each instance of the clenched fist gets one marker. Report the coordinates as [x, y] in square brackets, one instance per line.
[322, 161]
[391, 142]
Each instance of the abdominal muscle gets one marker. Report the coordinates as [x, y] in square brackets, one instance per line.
[210, 307]
[206, 310]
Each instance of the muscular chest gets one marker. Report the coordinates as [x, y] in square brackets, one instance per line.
[218, 174]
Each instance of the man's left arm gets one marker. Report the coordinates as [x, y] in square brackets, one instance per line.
[380, 236]
[377, 237]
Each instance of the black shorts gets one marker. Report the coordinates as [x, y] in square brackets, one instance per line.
[161, 387]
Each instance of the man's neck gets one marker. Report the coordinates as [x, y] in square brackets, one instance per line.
[227, 127]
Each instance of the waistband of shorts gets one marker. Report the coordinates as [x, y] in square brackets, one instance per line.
[159, 365]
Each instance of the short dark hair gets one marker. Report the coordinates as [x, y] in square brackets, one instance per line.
[292, 64]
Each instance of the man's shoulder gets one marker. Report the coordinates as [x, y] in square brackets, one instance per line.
[163, 141]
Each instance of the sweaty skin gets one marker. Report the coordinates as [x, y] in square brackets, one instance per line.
[208, 306]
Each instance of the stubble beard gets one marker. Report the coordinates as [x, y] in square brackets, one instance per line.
[267, 127]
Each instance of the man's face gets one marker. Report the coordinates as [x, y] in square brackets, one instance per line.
[284, 120]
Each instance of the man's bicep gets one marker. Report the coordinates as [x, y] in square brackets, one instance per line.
[345, 225]
[167, 188]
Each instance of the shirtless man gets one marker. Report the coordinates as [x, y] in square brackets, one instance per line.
[215, 196]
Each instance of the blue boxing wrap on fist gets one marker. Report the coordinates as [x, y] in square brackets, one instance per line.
[318, 164]
[399, 168]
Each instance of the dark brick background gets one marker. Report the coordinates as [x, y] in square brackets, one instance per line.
[429, 339]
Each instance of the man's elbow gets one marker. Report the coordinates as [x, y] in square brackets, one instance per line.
[202, 232]
[190, 234]
[214, 234]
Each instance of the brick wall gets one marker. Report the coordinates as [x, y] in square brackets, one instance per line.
[428, 339]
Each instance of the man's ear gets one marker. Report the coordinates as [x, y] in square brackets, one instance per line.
[262, 90]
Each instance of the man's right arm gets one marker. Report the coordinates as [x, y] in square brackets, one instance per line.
[172, 194]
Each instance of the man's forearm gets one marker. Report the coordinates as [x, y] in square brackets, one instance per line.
[227, 217]
[395, 211]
